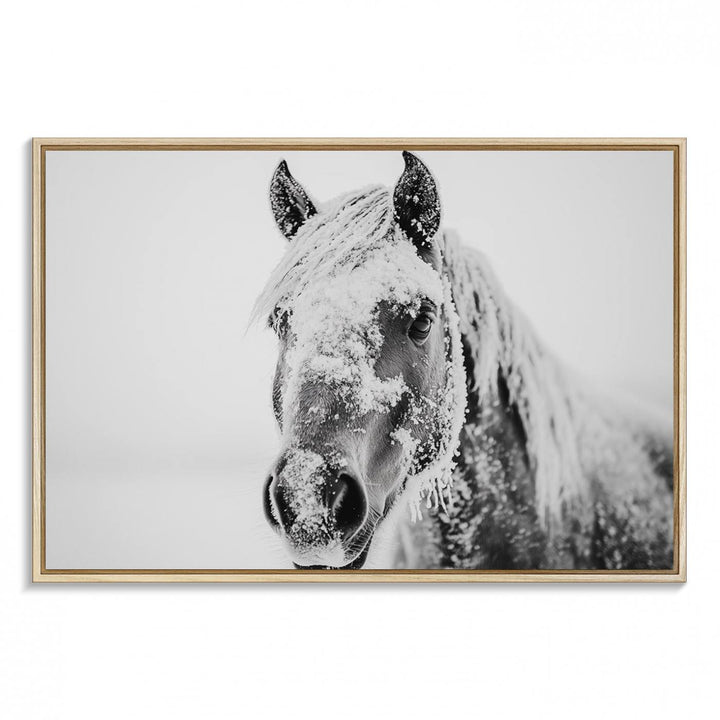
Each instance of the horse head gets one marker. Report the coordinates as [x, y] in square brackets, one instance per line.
[369, 389]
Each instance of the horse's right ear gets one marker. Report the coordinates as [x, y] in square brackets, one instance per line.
[290, 204]
[417, 204]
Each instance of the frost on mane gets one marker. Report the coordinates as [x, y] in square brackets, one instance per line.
[502, 341]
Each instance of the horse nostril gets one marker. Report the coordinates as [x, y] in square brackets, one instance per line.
[276, 508]
[347, 503]
[268, 503]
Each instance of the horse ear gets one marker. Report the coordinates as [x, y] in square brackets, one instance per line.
[417, 204]
[290, 204]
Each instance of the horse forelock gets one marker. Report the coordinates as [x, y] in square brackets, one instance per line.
[338, 236]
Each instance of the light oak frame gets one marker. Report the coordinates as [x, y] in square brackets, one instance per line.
[41, 146]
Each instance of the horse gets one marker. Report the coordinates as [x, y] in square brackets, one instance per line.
[416, 404]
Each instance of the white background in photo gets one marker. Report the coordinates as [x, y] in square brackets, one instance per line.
[159, 423]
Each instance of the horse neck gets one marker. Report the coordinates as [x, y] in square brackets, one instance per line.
[516, 388]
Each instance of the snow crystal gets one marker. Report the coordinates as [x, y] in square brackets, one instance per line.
[335, 328]
[302, 482]
[304, 479]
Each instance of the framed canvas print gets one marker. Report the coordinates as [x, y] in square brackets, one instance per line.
[358, 360]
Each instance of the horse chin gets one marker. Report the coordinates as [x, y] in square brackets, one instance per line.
[355, 564]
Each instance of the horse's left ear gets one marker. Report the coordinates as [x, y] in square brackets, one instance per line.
[417, 204]
[290, 203]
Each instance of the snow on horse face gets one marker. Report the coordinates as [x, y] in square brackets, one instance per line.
[369, 386]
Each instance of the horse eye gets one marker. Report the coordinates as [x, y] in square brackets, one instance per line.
[420, 329]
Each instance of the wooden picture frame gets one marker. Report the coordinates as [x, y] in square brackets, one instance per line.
[41, 147]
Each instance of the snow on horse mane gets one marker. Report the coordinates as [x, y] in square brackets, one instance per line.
[576, 434]
[339, 236]
[350, 256]
[501, 339]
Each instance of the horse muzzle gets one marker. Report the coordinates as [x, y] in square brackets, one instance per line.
[320, 509]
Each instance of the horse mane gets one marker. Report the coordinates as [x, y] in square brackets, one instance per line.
[339, 235]
[501, 341]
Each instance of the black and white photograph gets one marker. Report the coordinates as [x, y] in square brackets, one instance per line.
[410, 358]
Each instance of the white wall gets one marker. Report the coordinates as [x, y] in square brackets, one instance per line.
[511, 69]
